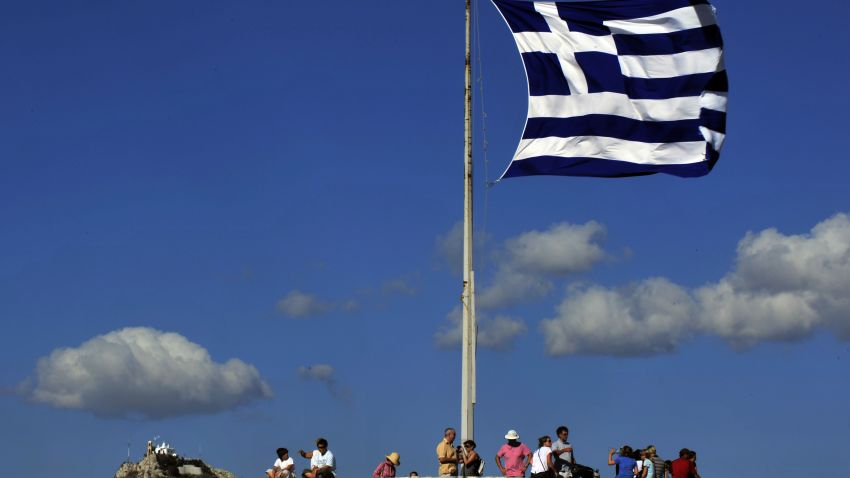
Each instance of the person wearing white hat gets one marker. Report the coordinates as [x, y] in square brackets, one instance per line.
[517, 456]
[386, 469]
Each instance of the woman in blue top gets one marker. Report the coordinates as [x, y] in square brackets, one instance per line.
[624, 461]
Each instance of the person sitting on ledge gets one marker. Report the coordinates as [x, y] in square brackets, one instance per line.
[283, 467]
[322, 462]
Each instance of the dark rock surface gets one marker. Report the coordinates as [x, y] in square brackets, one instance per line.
[165, 466]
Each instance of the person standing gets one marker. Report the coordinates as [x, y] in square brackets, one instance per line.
[446, 454]
[517, 456]
[542, 460]
[692, 455]
[471, 460]
[386, 469]
[563, 450]
[625, 463]
[659, 468]
[683, 467]
[322, 461]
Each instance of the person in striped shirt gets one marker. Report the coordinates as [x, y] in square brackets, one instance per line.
[659, 469]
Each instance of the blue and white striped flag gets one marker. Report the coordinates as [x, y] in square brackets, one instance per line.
[619, 87]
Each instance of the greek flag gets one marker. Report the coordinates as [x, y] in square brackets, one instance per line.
[619, 87]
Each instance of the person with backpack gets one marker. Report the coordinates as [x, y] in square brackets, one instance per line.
[659, 467]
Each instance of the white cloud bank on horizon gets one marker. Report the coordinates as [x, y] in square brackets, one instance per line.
[299, 305]
[782, 288]
[140, 371]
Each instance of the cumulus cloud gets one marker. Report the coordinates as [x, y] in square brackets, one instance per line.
[781, 288]
[527, 266]
[142, 372]
[298, 305]
[325, 374]
[510, 287]
[498, 333]
[528, 262]
[646, 318]
[561, 249]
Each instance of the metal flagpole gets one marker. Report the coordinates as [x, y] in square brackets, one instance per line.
[468, 296]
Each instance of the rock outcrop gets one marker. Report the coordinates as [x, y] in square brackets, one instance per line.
[167, 466]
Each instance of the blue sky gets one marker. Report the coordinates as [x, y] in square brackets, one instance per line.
[268, 192]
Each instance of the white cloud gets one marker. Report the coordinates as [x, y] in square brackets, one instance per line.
[450, 333]
[745, 317]
[498, 333]
[647, 318]
[528, 263]
[530, 260]
[562, 249]
[297, 305]
[782, 288]
[325, 374]
[143, 372]
[510, 287]
[449, 247]
[321, 372]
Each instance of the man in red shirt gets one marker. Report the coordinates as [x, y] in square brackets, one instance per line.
[683, 467]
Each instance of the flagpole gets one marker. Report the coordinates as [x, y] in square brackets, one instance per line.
[468, 297]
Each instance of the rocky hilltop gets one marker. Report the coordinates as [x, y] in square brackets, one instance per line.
[160, 465]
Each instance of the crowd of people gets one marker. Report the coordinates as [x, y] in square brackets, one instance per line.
[551, 459]
[513, 458]
[645, 463]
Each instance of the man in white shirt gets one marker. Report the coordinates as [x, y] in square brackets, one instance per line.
[563, 451]
[322, 462]
[283, 467]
